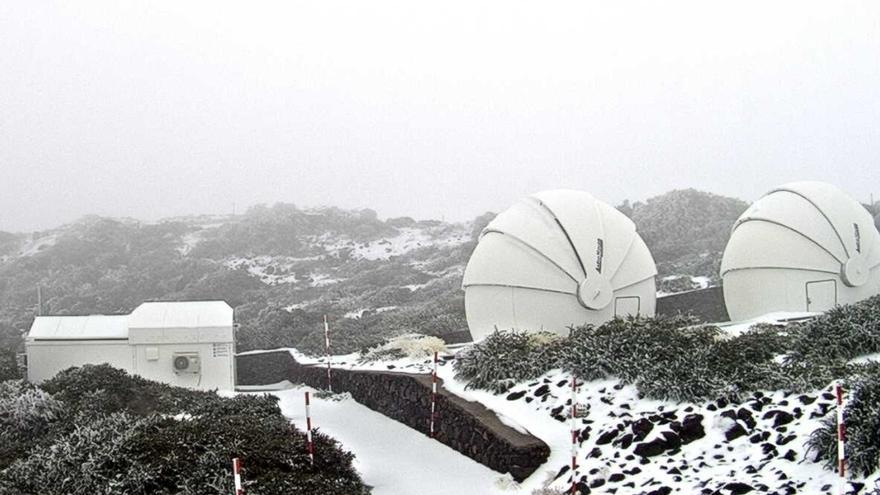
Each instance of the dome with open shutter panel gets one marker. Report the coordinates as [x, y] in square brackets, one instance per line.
[557, 259]
[804, 246]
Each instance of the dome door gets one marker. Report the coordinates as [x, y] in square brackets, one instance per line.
[821, 295]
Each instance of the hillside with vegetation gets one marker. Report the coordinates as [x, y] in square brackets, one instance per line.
[282, 268]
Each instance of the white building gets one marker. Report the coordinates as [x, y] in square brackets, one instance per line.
[804, 246]
[557, 259]
[188, 344]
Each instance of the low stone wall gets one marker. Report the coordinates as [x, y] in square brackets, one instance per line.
[465, 426]
[705, 304]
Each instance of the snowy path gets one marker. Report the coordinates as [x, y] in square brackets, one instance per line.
[391, 457]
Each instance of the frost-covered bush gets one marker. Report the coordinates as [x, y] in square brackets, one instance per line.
[26, 416]
[504, 358]
[862, 415]
[844, 332]
[115, 433]
[673, 358]
[102, 388]
[123, 453]
[413, 346]
[622, 347]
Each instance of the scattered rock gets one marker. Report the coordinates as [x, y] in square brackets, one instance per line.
[735, 432]
[737, 488]
[691, 428]
[650, 449]
[542, 390]
[779, 417]
[606, 437]
[641, 428]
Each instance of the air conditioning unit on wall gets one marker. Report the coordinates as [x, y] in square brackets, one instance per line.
[186, 363]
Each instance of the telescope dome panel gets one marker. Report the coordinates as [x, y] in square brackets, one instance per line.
[557, 259]
[804, 246]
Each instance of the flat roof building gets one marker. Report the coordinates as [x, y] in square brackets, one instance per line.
[189, 344]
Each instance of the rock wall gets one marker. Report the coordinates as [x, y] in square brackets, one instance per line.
[705, 304]
[465, 426]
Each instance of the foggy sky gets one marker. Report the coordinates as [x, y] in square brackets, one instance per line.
[427, 109]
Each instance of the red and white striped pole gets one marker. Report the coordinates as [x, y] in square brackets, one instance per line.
[841, 440]
[236, 473]
[574, 434]
[327, 347]
[310, 444]
[434, 395]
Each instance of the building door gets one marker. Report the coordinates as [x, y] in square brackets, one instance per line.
[821, 295]
[626, 306]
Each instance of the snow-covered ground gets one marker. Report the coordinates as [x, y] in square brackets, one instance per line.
[407, 239]
[779, 318]
[271, 270]
[391, 457]
[759, 443]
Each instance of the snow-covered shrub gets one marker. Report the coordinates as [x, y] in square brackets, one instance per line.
[102, 388]
[676, 283]
[844, 332]
[862, 415]
[669, 358]
[413, 346]
[504, 358]
[26, 415]
[142, 437]
[623, 347]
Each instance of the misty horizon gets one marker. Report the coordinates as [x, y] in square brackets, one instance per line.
[186, 108]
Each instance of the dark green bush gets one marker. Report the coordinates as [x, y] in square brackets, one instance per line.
[674, 358]
[27, 415]
[104, 389]
[506, 358]
[110, 432]
[862, 415]
[844, 332]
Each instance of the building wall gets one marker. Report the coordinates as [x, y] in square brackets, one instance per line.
[217, 364]
[46, 358]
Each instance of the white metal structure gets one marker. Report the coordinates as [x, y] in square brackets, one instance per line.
[188, 344]
[804, 246]
[557, 259]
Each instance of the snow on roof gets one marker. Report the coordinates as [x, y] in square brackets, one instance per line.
[189, 314]
[93, 327]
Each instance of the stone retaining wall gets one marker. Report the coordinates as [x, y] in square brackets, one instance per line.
[705, 304]
[465, 426]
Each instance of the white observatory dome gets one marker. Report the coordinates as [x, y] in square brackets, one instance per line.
[557, 259]
[804, 246]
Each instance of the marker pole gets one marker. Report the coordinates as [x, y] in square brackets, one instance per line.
[310, 444]
[574, 434]
[236, 473]
[327, 347]
[433, 395]
[841, 440]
